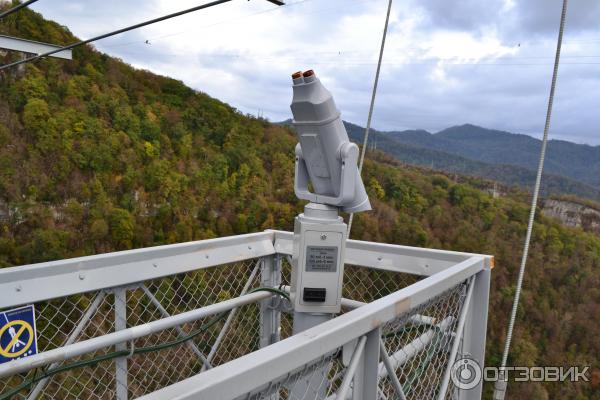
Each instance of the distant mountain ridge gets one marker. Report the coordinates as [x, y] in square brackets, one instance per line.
[576, 161]
[468, 150]
[505, 157]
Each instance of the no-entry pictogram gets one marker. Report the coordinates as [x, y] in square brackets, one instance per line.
[17, 333]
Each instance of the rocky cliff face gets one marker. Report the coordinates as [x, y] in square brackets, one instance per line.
[573, 214]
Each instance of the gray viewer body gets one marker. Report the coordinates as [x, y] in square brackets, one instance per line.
[324, 155]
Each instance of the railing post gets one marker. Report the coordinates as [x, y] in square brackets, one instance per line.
[270, 318]
[366, 378]
[120, 324]
[475, 328]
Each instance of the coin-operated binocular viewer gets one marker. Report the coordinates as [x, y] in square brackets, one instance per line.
[327, 159]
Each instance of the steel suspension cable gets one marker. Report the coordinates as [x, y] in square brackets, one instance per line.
[16, 8]
[372, 105]
[500, 387]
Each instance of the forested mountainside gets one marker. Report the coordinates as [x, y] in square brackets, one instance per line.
[96, 156]
[470, 150]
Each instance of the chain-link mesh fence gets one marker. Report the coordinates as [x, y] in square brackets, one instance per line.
[77, 318]
[367, 284]
[419, 343]
[360, 284]
[63, 321]
[318, 379]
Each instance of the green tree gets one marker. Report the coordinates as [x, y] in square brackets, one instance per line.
[122, 227]
[35, 116]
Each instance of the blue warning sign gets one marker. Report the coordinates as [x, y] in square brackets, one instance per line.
[18, 337]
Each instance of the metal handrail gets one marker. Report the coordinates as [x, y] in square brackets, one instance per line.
[33, 283]
[126, 335]
[441, 270]
[255, 370]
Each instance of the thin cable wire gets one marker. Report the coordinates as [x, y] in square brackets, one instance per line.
[371, 106]
[230, 20]
[339, 58]
[534, 200]
[241, 17]
[16, 8]
[129, 28]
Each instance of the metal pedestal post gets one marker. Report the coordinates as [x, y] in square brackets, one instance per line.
[316, 231]
[304, 321]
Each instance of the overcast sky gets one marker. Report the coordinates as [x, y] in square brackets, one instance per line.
[446, 62]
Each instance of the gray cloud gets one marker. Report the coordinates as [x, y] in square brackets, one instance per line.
[460, 15]
[543, 16]
[441, 65]
[538, 17]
